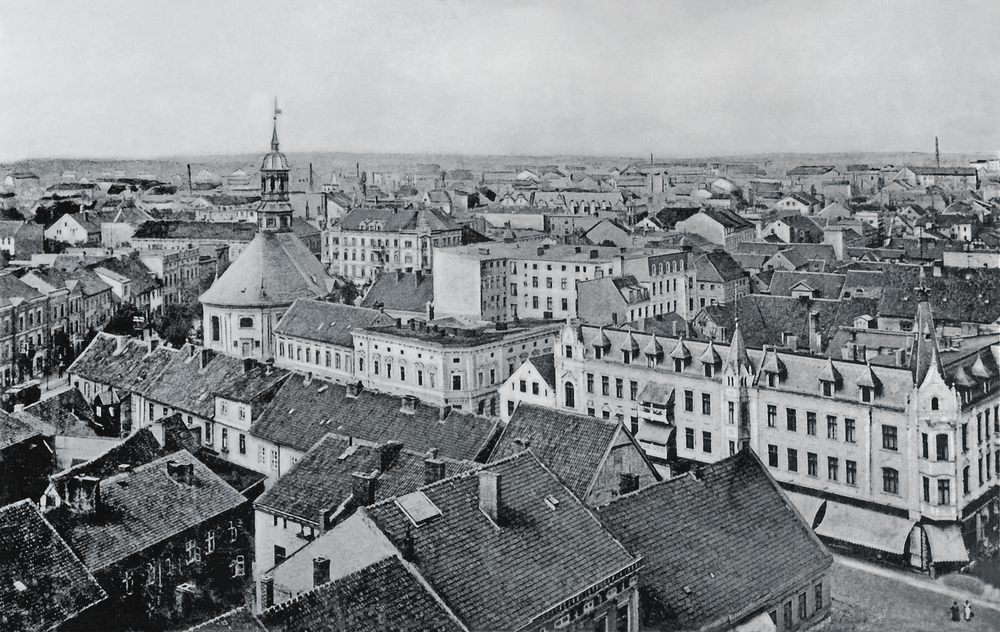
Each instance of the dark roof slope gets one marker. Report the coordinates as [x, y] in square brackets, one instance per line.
[239, 620]
[957, 296]
[321, 480]
[403, 291]
[714, 544]
[142, 447]
[42, 583]
[143, 507]
[824, 285]
[572, 446]
[14, 429]
[499, 577]
[301, 414]
[546, 366]
[386, 595]
[65, 414]
[126, 368]
[718, 266]
[328, 322]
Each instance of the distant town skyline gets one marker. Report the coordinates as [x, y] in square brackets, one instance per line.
[149, 80]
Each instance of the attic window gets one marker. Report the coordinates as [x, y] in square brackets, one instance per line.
[418, 507]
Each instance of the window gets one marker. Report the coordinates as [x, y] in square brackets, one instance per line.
[706, 441]
[191, 549]
[246, 322]
[889, 440]
[772, 415]
[832, 468]
[934, 403]
[890, 481]
[565, 305]
[866, 394]
[239, 566]
[732, 448]
[209, 439]
[732, 412]
[851, 472]
[261, 455]
[706, 404]
[811, 424]
[570, 395]
[944, 492]
[524, 386]
[633, 390]
[274, 460]
[818, 596]
[279, 554]
[927, 489]
[803, 614]
[243, 444]
[787, 615]
[965, 478]
[534, 388]
[568, 351]
[772, 455]
[849, 431]
[980, 466]
[548, 282]
[210, 541]
[605, 385]
[942, 447]
[790, 419]
[619, 387]
[225, 439]
[689, 401]
[590, 382]
[456, 382]
[215, 328]
[689, 438]
[534, 281]
[793, 460]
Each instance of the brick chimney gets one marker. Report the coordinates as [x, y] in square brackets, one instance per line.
[443, 412]
[628, 483]
[434, 469]
[183, 473]
[489, 494]
[353, 390]
[388, 452]
[249, 364]
[409, 404]
[363, 487]
[266, 592]
[321, 571]
[815, 340]
[206, 357]
[82, 494]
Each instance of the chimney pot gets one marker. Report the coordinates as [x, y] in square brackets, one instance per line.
[489, 494]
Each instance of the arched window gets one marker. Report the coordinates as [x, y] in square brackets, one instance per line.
[570, 395]
[934, 403]
[246, 322]
[215, 328]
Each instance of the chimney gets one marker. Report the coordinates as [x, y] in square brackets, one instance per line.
[387, 454]
[413, 325]
[353, 390]
[433, 468]
[673, 328]
[269, 364]
[399, 323]
[815, 341]
[399, 276]
[183, 473]
[443, 412]
[429, 309]
[489, 494]
[120, 342]
[183, 598]
[418, 276]
[248, 365]
[363, 487]
[266, 592]
[83, 494]
[153, 343]
[594, 254]
[409, 404]
[628, 483]
[206, 357]
[321, 571]
[862, 353]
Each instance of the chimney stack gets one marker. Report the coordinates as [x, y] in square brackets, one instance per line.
[443, 412]
[409, 404]
[353, 390]
[183, 473]
[489, 494]
[815, 341]
[363, 487]
[433, 468]
[82, 494]
[388, 452]
[248, 365]
[266, 592]
[206, 357]
[321, 571]
[628, 483]
[153, 343]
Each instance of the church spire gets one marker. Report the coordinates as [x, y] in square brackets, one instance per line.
[925, 356]
[738, 358]
[274, 132]
[274, 213]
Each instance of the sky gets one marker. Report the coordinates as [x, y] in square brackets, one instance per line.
[137, 79]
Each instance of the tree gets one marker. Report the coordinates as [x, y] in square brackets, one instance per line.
[121, 322]
[174, 325]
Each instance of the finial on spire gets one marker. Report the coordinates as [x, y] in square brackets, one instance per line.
[274, 133]
[923, 292]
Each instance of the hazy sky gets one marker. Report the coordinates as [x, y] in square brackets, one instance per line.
[150, 79]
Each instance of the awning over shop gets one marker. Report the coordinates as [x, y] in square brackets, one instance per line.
[946, 543]
[760, 623]
[807, 505]
[865, 528]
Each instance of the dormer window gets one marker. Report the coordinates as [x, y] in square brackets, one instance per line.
[866, 394]
[830, 379]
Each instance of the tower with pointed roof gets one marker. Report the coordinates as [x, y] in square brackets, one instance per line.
[242, 307]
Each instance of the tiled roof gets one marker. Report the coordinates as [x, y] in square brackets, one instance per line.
[321, 480]
[143, 507]
[65, 414]
[944, 171]
[12, 287]
[237, 232]
[824, 285]
[715, 543]
[14, 429]
[140, 448]
[727, 218]
[184, 385]
[101, 362]
[42, 583]
[386, 595]
[142, 280]
[395, 221]
[274, 269]
[328, 322]
[499, 577]
[405, 292]
[301, 414]
[546, 367]
[239, 620]
[809, 170]
[718, 266]
[969, 296]
[572, 446]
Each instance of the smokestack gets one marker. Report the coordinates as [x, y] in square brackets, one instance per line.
[489, 494]
[190, 187]
[321, 571]
[815, 343]
[937, 153]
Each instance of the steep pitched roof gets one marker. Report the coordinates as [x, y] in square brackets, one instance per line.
[140, 448]
[274, 269]
[546, 367]
[963, 296]
[718, 266]
[143, 507]
[124, 368]
[14, 429]
[824, 285]
[239, 620]
[325, 322]
[386, 595]
[65, 414]
[301, 414]
[42, 583]
[405, 292]
[501, 576]
[715, 543]
[321, 480]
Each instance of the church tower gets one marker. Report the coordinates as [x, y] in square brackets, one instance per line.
[242, 307]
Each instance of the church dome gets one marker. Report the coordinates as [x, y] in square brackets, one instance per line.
[274, 161]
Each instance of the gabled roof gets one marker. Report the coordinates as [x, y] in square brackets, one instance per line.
[545, 366]
[386, 595]
[321, 481]
[301, 414]
[330, 323]
[824, 285]
[65, 414]
[810, 170]
[944, 171]
[404, 291]
[14, 429]
[502, 576]
[572, 446]
[239, 620]
[140, 448]
[390, 220]
[274, 269]
[719, 542]
[143, 507]
[124, 369]
[717, 267]
[42, 583]
[956, 296]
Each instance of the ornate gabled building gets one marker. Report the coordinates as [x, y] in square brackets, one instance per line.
[244, 305]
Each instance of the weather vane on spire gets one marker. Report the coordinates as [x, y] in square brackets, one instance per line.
[274, 132]
[276, 110]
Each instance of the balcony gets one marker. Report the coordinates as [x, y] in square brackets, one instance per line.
[934, 468]
[939, 512]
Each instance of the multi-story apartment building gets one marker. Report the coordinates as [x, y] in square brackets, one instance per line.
[369, 241]
[501, 282]
[665, 274]
[902, 447]
[175, 269]
[448, 365]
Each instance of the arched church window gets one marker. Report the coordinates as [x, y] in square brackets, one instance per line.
[246, 322]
